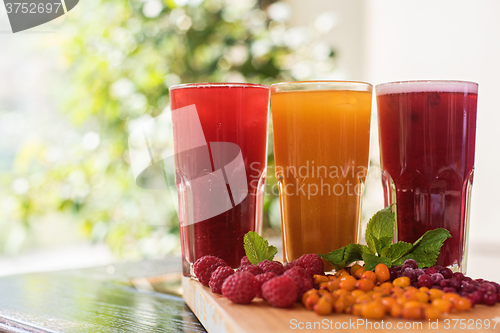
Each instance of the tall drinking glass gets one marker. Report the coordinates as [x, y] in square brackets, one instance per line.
[321, 141]
[220, 145]
[427, 143]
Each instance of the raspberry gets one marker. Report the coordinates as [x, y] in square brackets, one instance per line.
[240, 288]
[205, 266]
[280, 292]
[244, 261]
[312, 263]
[260, 279]
[218, 277]
[301, 279]
[272, 266]
[254, 270]
[289, 265]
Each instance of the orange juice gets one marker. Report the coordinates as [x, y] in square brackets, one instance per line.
[321, 143]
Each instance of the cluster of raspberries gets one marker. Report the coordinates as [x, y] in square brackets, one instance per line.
[279, 285]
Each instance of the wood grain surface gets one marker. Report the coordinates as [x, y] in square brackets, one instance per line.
[218, 314]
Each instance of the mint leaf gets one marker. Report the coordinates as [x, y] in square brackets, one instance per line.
[371, 261]
[396, 250]
[380, 230]
[426, 249]
[257, 248]
[344, 256]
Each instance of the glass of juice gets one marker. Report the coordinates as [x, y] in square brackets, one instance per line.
[427, 132]
[220, 145]
[321, 141]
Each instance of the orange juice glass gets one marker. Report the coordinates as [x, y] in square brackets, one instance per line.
[321, 143]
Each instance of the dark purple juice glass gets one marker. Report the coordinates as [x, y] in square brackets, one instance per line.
[427, 132]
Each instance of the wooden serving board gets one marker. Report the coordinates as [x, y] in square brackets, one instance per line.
[219, 315]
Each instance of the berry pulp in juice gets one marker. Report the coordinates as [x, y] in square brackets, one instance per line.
[427, 142]
[236, 114]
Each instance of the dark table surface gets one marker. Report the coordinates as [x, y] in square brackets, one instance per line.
[100, 299]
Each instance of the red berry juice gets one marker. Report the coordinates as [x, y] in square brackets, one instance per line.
[427, 132]
[234, 113]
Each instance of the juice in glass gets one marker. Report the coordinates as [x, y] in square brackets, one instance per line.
[321, 142]
[228, 113]
[427, 132]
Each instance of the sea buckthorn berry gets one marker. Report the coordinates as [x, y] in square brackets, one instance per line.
[323, 285]
[435, 294]
[354, 268]
[402, 282]
[412, 310]
[323, 307]
[341, 304]
[422, 297]
[341, 273]
[442, 305]
[340, 292]
[424, 289]
[348, 283]
[410, 295]
[432, 313]
[311, 301]
[369, 275]
[356, 309]
[462, 304]
[319, 278]
[382, 272]
[363, 299]
[373, 310]
[386, 285]
[397, 291]
[357, 292]
[365, 284]
[333, 285]
[309, 293]
[388, 303]
[331, 277]
[396, 310]
[359, 272]
[452, 297]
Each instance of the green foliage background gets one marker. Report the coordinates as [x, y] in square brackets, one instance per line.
[121, 57]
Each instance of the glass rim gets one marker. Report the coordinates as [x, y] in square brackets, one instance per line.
[218, 84]
[398, 87]
[321, 85]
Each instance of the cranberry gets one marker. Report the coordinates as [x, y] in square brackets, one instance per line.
[437, 278]
[446, 272]
[437, 267]
[489, 298]
[497, 286]
[419, 271]
[394, 273]
[449, 290]
[431, 271]
[486, 286]
[455, 283]
[425, 280]
[412, 263]
[466, 279]
[476, 297]
[410, 273]
[415, 284]
[444, 283]
[498, 297]
[458, 275]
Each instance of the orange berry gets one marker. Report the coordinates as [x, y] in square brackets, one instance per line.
[307, 294]
[333, 284]
[359, 272]
[339, 292]
[442, 305]
[431, 313]
[348, 282]
[396, 310]
[382, 272]
[354, 268]
[369, 275]
[412, 310]
[435, 293]
[422, 297]
[462, 304]
[311, 301]
[401, 282]
[363, 299]
[365, 284]
[409, 295]
[342, 303]
[323, 307]
[357, 309]
[386, 285]
[319, 278]
[373, 310]
[388, 303]
[452, 297]
[424, 289]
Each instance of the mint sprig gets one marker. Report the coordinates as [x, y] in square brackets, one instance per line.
[380, 249]
[257, 248]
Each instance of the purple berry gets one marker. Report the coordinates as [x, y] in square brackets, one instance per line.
[479, 280]
[437, 267]
[419, 271]
[415, 284]
[444, 283]
[466, 279]
[455, 283]
[449, 290]
[437, 287]
[394, 273]
[410, 273]
[458, 275]
[497, 286]
[431, 271]
[498, 298]
[437, 278]
[412, 263]
[446, 272]
[489, 298]
[486, 286]
[476, 297]
[425, 281]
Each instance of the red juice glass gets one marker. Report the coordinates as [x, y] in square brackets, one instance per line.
[220, 146]
[427, 133]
